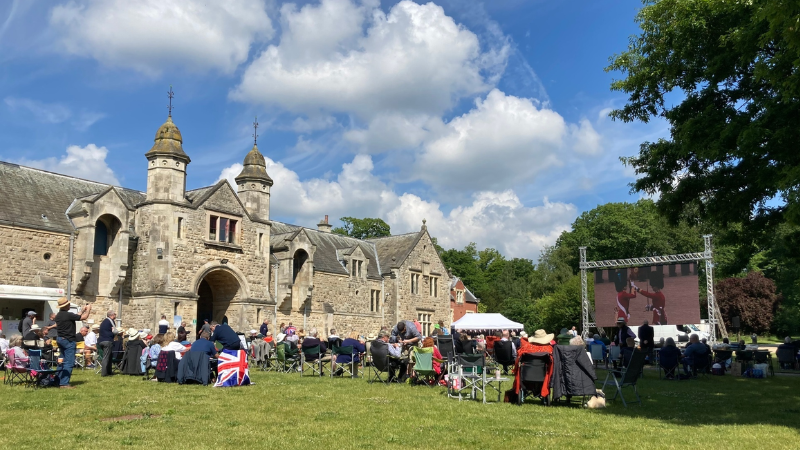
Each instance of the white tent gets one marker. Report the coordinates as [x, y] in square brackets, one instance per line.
[486, 321]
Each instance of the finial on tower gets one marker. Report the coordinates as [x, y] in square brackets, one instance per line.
[424, 227]
[255, 131]
[170, 95]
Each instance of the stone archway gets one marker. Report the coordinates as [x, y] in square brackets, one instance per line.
[216, 291]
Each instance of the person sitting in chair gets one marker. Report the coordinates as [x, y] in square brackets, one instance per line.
[312, 341]
[397, 365]
[668, 357]
[204, 345]
[358, 349]
[224, 334]
[694, 351]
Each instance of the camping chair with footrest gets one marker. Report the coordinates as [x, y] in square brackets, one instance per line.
[626, 377]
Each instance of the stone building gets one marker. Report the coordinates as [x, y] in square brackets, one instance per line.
[209, 253]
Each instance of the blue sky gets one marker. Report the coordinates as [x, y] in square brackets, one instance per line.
[487, 119]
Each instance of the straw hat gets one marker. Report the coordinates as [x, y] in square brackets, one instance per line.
[541, 337]
[63, 303]
[95, 327]
[132, 334]
[371, 337]
[280, 337]
[35, 327]
[253, 332]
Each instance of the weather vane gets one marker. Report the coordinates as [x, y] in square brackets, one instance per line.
[170, 95]
[255, 131]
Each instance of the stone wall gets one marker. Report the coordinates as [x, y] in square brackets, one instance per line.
[423, 260]
[22, 253]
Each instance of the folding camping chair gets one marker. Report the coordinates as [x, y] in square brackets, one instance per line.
[598, 355]
[533, 369]
[504, 354]
[350, 368]
[764, 357]
[16, 369]
[423, 366]
[379, 355]
[447, 349]
[268, 365]
[786, 358]
[470, 376]
[286, 358]
[36, 370]
[628, 376]
[614, 352]
[701, 365]
[315, 364]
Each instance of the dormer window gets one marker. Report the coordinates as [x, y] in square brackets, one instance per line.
[356, 268]
[223, 229]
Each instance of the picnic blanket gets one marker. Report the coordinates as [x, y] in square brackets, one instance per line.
[232, 369]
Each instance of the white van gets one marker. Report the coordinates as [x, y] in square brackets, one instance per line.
[679, 333]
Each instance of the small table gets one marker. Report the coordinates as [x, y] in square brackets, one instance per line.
[490, 383]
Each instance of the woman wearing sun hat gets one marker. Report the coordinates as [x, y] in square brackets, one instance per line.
[540, 342]
[65, 324]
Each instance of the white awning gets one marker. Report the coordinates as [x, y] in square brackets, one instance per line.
[486, 321]
[30, 293]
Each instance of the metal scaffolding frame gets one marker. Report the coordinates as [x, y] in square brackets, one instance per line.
[707, 255]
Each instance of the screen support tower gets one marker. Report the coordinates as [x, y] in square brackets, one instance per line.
[707, 255]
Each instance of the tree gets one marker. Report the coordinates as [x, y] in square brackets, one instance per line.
[752, 298]
[363, 228]
[726, 76]
[626, 230]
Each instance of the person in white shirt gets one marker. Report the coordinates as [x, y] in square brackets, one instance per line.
[172, 345]
[163, 325]
[3, 344]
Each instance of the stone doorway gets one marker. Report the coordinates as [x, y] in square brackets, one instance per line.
[215, 293]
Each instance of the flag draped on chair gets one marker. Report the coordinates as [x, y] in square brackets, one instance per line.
[232, 369]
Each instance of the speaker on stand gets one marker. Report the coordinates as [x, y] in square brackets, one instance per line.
[735, 325]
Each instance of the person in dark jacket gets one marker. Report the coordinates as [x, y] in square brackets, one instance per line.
[312, 341]
[668, 358]
[646, 334]
[131, 360]
[623, 333]
[225, 335]
[105, 341]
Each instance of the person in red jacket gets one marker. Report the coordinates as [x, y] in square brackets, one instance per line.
[659, 302]
[623, 298]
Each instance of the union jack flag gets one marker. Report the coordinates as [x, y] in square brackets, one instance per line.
[232, 369]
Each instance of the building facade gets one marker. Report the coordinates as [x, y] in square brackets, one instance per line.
[462, 301]
[209, 253]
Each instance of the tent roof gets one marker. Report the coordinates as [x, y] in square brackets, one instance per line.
[486, 321]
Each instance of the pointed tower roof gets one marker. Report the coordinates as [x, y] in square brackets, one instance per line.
[168, 142]
[255, 168]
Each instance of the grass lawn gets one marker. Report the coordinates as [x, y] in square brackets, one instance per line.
[289, 412]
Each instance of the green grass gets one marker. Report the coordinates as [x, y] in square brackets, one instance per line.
[289, 412]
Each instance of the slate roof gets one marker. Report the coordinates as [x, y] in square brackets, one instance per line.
[393, 250]
[329, 247]
[29, 193]
[469, 297]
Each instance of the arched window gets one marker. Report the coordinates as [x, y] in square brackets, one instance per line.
[100, 238]
[300, 258]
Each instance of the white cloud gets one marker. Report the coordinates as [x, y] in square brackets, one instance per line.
[83, 162]
[151, 35]
[502, 141]
[587, 141]
[494, 219]
[340, 57]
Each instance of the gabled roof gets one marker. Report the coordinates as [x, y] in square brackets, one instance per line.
[329, 247]
[469, 297]
[29, 193]
[393, 250]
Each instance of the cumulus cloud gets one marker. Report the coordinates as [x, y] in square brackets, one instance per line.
[502, 141]
[341, 57]
[150, 35]
[492, 218]
[83, 162]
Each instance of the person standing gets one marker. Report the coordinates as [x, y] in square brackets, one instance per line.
[623, 333]
[264, 329]
[104, 342]
[646, 334]
[50, 329]
[65, 324]
[163, 325]
[29, 320]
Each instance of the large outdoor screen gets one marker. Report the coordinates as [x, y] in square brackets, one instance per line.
[663, 295]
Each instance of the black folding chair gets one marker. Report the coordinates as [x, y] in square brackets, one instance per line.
[786, 358]
[533, 369]
[627, 377]
[764, 357]
[504, 354]
[701, 364]
[314, 364]
[379, 354]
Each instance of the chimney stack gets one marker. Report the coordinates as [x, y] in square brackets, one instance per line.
[324, 226]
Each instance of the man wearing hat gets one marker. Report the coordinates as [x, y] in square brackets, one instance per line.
[623, 333]
[27, 322]
[65, 324]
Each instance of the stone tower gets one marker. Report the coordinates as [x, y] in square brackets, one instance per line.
[254, 184]
[166, 166]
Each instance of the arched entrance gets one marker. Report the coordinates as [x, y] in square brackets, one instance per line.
[215, 293]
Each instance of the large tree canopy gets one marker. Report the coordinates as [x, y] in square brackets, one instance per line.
[363, 228]
[726, 76]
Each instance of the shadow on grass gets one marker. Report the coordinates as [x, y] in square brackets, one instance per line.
[711, 400]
